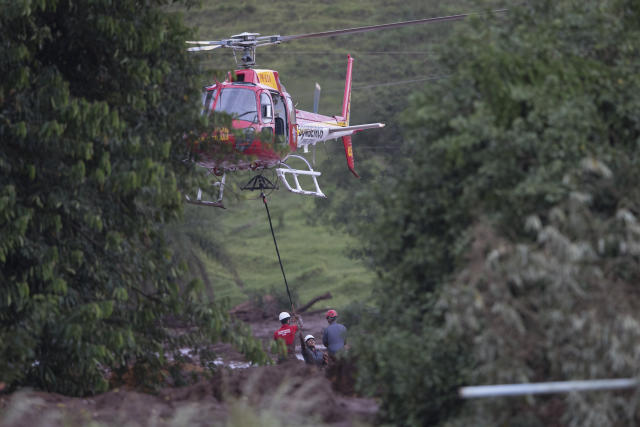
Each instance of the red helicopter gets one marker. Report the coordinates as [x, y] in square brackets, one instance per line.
[266, 127]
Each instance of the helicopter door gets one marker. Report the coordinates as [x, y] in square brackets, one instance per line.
[293, 140]
[266, 108]
[280, 117]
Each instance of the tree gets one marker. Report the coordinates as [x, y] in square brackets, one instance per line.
[530, 95]
[94, 102]
[561, 307]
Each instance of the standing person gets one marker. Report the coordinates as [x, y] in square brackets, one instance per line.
[312, 355]
[334, 337]
[287, 333]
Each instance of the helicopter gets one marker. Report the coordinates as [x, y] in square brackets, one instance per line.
[267, 131]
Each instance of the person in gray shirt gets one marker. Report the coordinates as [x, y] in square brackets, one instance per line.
[334, 336]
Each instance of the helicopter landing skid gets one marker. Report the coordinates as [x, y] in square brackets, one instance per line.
[218, 203]
[282, 172]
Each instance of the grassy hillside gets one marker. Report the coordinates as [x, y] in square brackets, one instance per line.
[316, 256]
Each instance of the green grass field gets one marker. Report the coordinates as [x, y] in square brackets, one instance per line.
[315, 257]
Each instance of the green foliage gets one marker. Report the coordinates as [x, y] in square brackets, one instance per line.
[418, 383]
[94, 101]
[562, 307]
[529, 96]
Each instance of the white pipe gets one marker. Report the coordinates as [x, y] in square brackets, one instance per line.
[472, 392]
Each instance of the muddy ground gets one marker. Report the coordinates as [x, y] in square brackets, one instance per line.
[290, 393]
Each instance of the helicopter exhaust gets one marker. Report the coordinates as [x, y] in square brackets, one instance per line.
[316, 98]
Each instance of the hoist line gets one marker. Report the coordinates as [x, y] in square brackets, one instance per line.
[264, 199]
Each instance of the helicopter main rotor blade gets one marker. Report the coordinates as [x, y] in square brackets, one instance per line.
[248, 42]
[206, 42]
[380, 27]
[199, 48]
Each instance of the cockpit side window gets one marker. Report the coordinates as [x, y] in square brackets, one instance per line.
[240, 103]
[292, 111]
[266, 107]
[280, 114]
[208, 96]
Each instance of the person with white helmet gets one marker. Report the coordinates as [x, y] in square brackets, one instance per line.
[287, 333]
[312, 355]
[334, 336]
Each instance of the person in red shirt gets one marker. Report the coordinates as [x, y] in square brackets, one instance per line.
[287, 333]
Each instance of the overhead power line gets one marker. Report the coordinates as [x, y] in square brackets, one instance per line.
[399, 82]
[392, 83]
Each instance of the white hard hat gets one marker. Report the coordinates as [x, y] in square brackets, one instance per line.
[283, 315]
[308, 337]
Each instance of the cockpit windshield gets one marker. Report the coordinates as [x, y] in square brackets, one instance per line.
[240, 103]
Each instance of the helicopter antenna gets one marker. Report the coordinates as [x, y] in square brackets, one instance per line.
[246, 43]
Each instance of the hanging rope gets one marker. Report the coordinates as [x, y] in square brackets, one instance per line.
[264, 199]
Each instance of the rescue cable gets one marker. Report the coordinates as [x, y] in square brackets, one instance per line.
[264, 199]
[261, 183]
